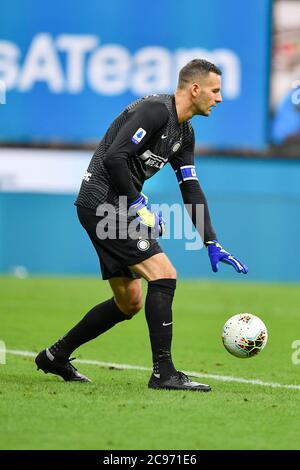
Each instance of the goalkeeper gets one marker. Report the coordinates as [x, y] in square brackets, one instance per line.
[150, 133]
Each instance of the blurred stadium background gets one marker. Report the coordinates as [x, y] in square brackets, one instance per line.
[67, 70]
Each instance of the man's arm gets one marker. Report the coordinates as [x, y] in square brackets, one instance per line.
[143, 121]
[191, 191]
[193, 195]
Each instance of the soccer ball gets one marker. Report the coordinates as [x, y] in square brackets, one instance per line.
[244, 335]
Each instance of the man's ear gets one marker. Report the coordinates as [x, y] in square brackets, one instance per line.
[195, 89]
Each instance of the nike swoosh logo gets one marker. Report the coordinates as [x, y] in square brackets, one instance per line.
[164, 136]
[167, 324]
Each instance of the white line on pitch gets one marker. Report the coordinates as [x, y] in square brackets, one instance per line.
[221, 378]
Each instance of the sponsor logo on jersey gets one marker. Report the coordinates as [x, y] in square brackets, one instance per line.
[150, 159]
[138, 136]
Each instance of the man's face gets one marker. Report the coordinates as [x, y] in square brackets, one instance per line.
[207, 94]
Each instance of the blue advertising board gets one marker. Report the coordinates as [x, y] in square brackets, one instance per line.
[70, 67]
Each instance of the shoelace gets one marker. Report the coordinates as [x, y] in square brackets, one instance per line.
[183, 376]
[68, 363]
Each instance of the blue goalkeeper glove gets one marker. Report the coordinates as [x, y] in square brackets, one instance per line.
[217, 254]
[153, 221]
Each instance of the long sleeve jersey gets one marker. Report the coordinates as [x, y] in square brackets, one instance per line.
[140, 141]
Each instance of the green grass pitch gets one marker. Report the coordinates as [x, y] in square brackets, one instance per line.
[117, 410]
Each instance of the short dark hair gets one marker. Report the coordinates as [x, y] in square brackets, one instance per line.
[195, 69]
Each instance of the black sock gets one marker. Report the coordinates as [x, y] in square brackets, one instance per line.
[98, 320]
[158, 309]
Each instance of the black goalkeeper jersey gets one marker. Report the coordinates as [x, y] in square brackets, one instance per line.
[140, 141]
[164, 141]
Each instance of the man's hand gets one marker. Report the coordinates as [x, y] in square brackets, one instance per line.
[217, 254]
[146, 217]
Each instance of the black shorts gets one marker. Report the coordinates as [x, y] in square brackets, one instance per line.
[116, 255]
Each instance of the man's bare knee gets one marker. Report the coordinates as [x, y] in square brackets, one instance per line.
[127, 295]
[130, 307]
[167, 272]
[172, 274]
[156, 267]
[135, 306]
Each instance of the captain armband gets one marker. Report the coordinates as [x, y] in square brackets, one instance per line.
[186, 173]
